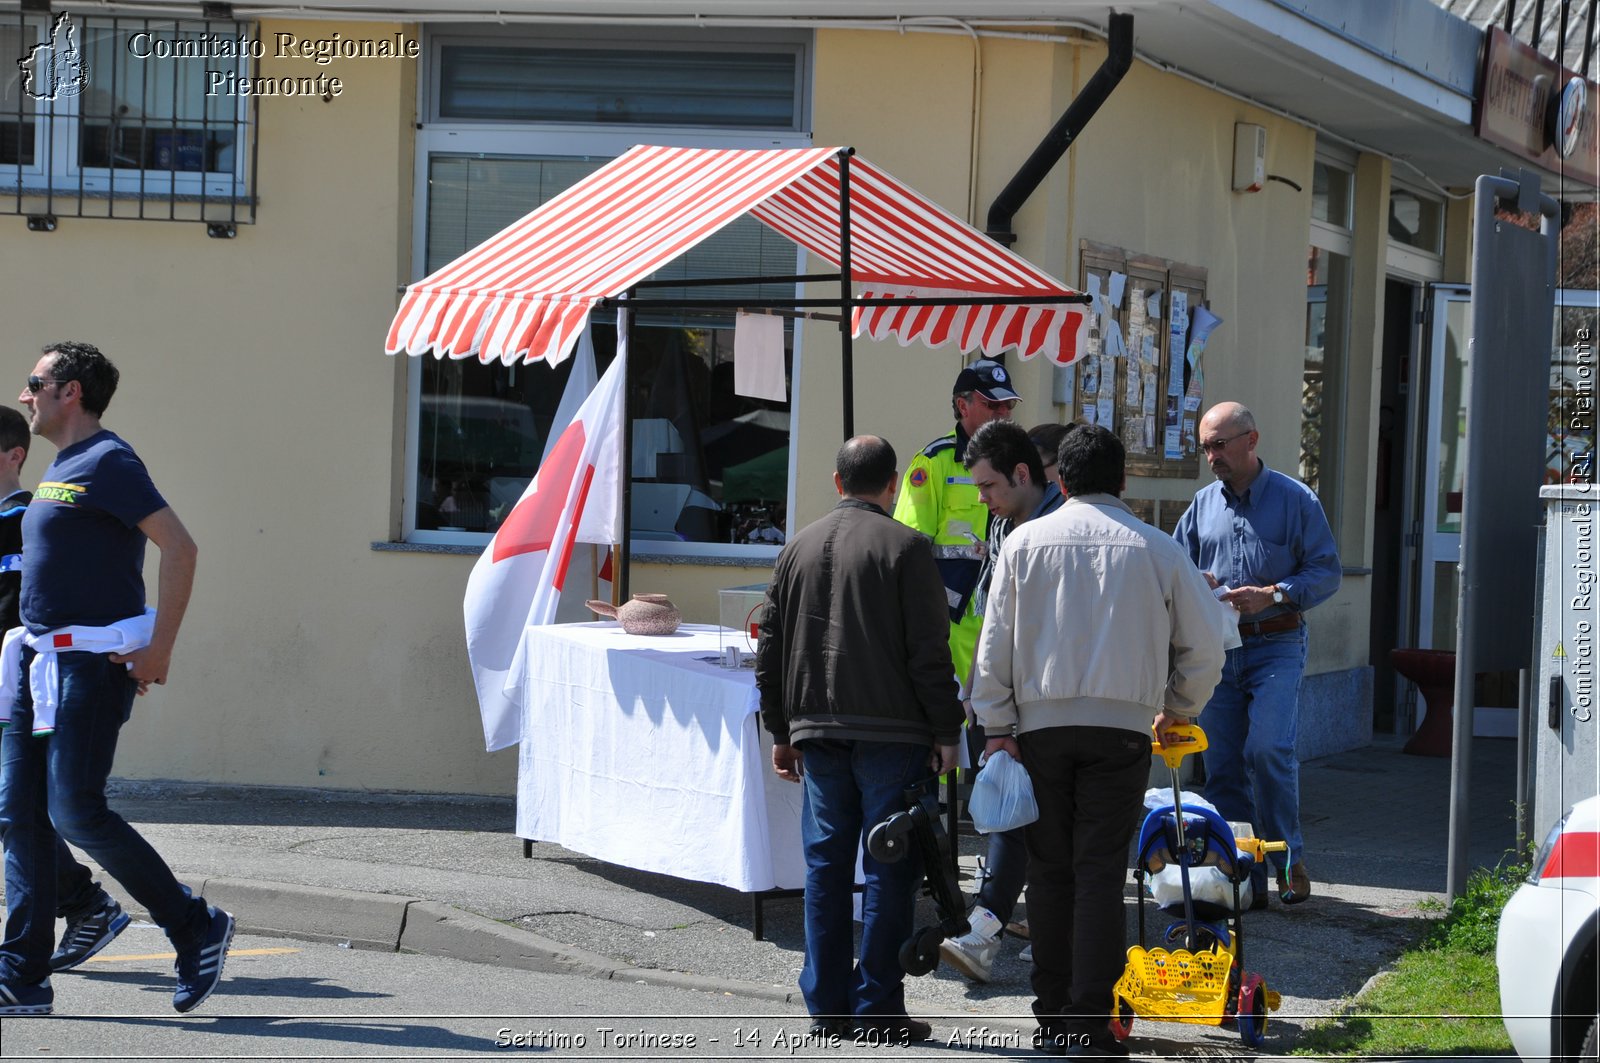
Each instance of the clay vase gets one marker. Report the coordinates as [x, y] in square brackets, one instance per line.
[646, 614]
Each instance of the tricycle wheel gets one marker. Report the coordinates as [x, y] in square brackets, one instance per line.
[1253, 1011]
[920, 954]
[1122, 1022]
[889, 840]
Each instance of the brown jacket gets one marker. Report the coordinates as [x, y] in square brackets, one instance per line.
[854, 636]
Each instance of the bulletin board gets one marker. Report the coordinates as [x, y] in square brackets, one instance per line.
[1142, 373]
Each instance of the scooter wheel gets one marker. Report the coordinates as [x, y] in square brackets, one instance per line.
[920, 954]
[1253, 1011]
[890, 840]
[1122, 1022]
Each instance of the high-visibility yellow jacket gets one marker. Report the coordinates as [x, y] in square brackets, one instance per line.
[938, 499]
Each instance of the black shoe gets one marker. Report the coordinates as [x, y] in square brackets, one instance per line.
[830, 1028]
[891, 1030]
[1096, 1046]
[1078, 1040]
[89, 933]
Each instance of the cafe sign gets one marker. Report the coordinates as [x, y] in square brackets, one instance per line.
[1530, 104]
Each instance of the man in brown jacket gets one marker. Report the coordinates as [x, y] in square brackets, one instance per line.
[859, 692]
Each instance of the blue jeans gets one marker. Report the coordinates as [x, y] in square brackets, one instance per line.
[1251, 723]
[851, 787]
[57, 783]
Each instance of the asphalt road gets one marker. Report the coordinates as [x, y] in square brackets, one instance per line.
[284, 1000]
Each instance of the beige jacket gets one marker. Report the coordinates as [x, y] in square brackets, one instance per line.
[1087, 608]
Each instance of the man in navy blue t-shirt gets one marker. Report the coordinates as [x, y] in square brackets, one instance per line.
[83, 591]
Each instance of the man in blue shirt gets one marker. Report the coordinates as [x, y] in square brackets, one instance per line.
[83, 603]
[1265, 547]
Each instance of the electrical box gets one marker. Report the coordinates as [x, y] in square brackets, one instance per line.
[1249, 157]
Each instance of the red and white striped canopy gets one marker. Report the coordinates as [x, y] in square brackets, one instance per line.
[527, 292]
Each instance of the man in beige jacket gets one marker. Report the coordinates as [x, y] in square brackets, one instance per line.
[1086, 608]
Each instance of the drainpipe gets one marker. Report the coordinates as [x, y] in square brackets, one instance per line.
[1056, 142]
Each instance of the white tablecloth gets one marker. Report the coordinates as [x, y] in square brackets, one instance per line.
[639, 754]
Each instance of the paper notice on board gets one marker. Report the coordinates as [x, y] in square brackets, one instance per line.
[1150, 354]
[1091, 376]
[1188, 435]
[1149, 432]
[1114, 293]
[1180, 312]
[1153, 306]
[1114, 346]
[1090, 416]
[1150, 393]
[1137, 313]
[1191, 404]
[1130, 396]
[758, 357]
[1096, 300]
[1173, 448]
[1105, 411]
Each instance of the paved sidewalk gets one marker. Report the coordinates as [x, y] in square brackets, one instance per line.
[447, 877]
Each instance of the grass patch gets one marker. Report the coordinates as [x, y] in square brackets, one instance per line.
[1441, 997]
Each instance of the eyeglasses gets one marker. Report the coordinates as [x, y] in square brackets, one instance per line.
[37, 384]
[995, 407]
[1218, 444]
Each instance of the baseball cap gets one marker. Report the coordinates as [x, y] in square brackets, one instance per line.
[988, 378]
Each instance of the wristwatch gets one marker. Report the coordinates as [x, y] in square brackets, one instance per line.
[1277, 596]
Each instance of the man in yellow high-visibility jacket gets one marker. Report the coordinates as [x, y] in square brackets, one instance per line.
[938, 499]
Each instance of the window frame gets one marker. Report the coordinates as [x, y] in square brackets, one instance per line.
[58, 128]
[491, 138]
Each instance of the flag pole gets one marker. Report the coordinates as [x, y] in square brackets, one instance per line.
[620, 569]
[846, 324]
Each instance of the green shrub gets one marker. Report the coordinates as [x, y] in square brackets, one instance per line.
[1474, 918]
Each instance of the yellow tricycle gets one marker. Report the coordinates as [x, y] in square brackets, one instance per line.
[1192, 864]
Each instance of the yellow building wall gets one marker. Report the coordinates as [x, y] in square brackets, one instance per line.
[1150, 173]
[255, 387]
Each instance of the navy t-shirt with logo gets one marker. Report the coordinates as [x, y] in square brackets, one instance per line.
[85, 558]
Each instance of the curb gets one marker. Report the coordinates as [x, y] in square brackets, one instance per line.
[383, 922]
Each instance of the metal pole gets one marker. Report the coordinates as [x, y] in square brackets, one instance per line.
[846, 303]
[1524, 709]
[1588, 40]
[621, 569]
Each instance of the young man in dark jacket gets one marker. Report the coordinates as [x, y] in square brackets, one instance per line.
[858, 690]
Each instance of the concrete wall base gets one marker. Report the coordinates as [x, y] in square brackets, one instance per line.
[1335, 712]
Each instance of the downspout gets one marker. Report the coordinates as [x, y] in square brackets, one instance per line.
[1056, 142]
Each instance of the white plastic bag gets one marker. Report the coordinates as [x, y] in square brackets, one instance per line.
[1002, 795]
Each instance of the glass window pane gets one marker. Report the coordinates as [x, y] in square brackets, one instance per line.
[17, 128]
[1416, 221]
[1450, 482]
[1322, 380]
[708, 465]
[623, 85]
[153, 113]
[1330, 194]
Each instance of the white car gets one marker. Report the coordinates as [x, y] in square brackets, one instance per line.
[1549, 972]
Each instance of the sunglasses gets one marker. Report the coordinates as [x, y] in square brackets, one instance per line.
[37, 384]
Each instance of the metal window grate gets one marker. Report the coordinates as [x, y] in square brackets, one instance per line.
[128, 118]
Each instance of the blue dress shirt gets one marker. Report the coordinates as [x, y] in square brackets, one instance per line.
[1275, 532]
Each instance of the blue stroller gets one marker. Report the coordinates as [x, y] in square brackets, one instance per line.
[1200, 976]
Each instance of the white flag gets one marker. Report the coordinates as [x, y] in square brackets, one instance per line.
[518, 579]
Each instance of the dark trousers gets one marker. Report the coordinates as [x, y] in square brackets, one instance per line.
[1089, 783]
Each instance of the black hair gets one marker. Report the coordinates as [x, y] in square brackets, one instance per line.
[92, 370]
[865, 464]
[14, 430]
[1091, 461]
[1004, 445]
[1047, 437]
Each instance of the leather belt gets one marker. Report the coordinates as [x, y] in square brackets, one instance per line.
[1252, 628]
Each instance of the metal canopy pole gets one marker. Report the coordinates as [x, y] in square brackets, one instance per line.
[846, 304]
[624, 561]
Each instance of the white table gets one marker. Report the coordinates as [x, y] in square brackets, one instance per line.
[640, 754]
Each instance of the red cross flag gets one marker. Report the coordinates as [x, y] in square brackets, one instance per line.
[574, 497]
